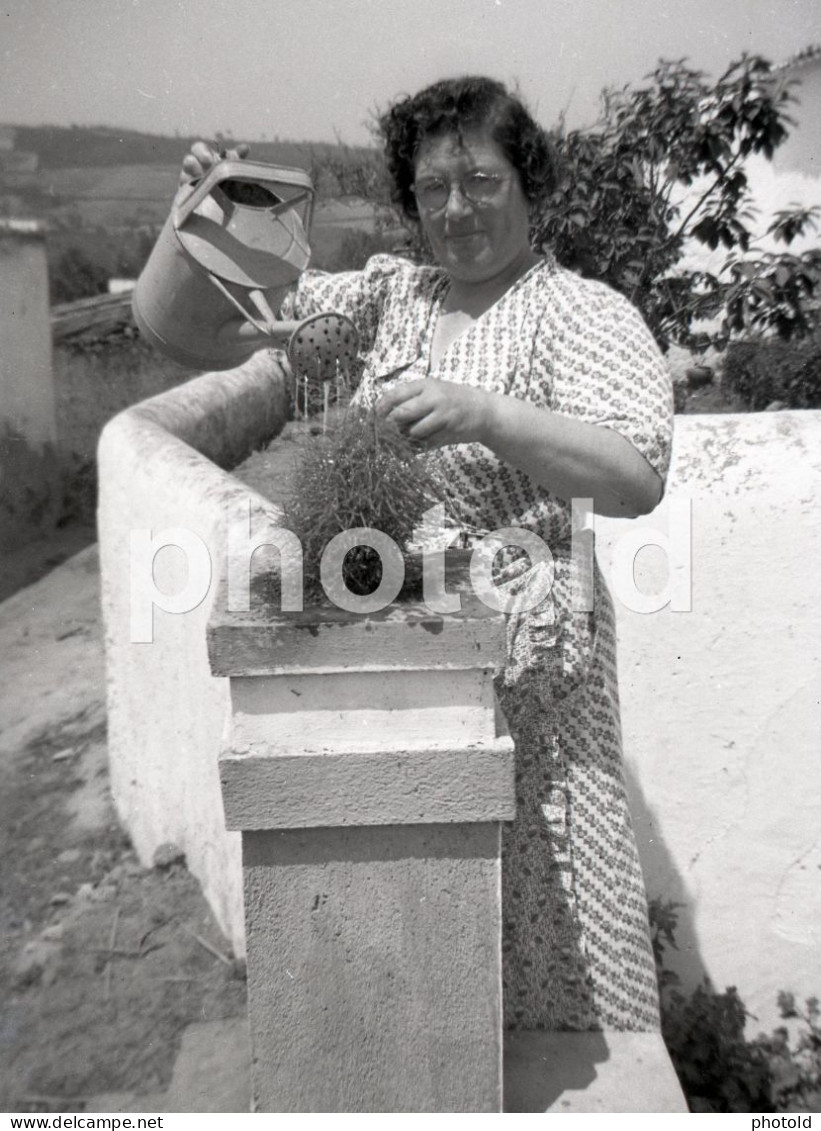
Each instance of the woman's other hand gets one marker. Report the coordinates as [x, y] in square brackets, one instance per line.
[570, 458]
[437, 413]
[202, 156]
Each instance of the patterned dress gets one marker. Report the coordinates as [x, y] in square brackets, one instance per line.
[575, 944]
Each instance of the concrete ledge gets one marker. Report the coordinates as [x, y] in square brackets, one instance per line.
[370, 797]
[553, 1073]
[413, 709]
[388, 787]
[222, 416]
[320, 639]
[588, 1072]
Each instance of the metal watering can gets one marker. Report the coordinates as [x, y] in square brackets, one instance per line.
[233, 245]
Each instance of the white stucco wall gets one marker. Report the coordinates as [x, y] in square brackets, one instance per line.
[721, 708]
[801, 151]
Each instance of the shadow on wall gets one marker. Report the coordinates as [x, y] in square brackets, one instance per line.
[657, 861]
[540, 1067]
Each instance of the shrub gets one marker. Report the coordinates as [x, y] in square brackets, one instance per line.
[43, 488]
[720, 1070]
[76, 275]
[760, 372]
[355, 249]
[30, 500]
[795, 1067]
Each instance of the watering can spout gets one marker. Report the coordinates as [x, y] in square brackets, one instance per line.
[234, 244]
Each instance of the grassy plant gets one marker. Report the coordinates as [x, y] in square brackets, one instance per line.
[360, 473]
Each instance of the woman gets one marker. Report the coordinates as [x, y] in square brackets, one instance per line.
[535, 387]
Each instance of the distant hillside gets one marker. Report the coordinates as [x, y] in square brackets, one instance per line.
[59, 147]
[104, 194]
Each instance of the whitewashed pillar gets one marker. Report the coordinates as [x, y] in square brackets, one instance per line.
[27, 401]
[364, 766]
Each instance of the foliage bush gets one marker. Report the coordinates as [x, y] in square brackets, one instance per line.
[75, 274]
[720, 1070]
[43, 488]
[355, 249]
[30, 499]
[762, 371]
[82, 271]
[795, 1064]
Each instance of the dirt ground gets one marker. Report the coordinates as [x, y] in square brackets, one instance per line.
[102, 962]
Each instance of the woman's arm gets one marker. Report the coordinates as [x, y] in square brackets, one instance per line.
[570, 458]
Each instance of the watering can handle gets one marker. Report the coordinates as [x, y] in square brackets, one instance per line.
[270, 327]
[246, 171]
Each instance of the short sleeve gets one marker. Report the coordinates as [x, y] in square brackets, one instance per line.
[608, 370]
[360, 295]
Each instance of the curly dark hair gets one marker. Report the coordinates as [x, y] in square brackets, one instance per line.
[456, 106]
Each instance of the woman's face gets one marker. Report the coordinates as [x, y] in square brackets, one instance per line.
[474, 241]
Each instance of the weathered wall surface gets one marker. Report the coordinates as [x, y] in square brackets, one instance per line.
[722, 705]
[801, 152]
[29, 495]
[26, 381]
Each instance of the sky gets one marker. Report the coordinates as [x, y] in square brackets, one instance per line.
[318, 69]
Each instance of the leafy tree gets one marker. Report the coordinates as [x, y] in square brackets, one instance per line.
[665, 165]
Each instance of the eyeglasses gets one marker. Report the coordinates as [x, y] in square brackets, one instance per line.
[477, 188]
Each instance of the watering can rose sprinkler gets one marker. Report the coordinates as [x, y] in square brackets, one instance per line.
[234, 244]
